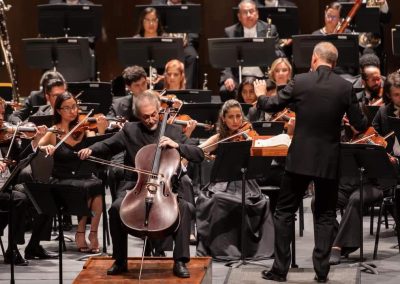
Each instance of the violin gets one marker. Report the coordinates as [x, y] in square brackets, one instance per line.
[14, 104]
[247, 133]
[91, 124]
[370, 136]
[183, 119]
[285, 116]
[27, 131]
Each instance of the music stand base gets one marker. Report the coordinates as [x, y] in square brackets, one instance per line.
[366, 267]
[240, 262]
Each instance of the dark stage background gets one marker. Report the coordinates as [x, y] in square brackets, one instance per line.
[118, 22]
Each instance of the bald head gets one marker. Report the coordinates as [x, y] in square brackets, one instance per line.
[325, 53]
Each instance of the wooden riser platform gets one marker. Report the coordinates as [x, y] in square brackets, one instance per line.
[155, 270]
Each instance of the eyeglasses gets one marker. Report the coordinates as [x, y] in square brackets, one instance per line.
[151, 21]
[69, 108]
[147, 117]
[331, 17]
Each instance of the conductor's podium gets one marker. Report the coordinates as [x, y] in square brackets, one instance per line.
[155, 270]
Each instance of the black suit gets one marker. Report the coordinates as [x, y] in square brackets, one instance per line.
[35, 98]
[123, 107]
[320, 100]
[131, 139]
[281, 3]
[237, 31]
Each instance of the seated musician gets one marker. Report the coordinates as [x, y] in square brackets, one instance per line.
[249, 26]
[276, 3]
[132, 138]
[332, 19]
[218, 205]
[279, 74]
[71, 2]
[135, 79]
[70, 170]
[20, 204]
[372, 81]
[35, 98]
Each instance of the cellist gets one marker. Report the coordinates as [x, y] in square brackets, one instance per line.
[132, 137]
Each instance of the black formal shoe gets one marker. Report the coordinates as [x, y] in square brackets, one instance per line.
[180, 270]
[118, 268]
[39, 253]
[335, 257]
[18, 259]
[269, 275]
[320, 279]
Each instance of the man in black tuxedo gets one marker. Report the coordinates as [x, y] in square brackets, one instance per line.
[249, 26]
[320, 99]
[131, 139]
[276, 3]
[35, 98]
[135, 79]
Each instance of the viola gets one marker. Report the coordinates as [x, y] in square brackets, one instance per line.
[151, 208]
[27, 131]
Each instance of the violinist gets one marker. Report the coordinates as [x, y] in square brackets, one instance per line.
[218, 203]
[279, 75]
[131, 139]
[320, 98]
[68, 169]
[37, 98]
[20, 206]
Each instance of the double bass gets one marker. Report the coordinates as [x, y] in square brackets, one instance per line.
[151, 208]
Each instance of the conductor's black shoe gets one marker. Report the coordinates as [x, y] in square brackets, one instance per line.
[39, 253]
[335, 257]
[269, 275]
[180, 270]
[18, 259]
[320, 279]
[118, 268]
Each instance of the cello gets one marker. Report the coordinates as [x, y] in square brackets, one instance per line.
[151, 208]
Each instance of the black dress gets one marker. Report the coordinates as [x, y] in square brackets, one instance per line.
[68, 169]
[218, 217]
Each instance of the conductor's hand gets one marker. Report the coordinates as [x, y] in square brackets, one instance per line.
[167, 142]
[84, 153]
[260, 87]
[229, 84]
[48, 149]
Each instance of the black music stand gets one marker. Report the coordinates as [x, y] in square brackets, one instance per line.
[241, 52]
[58, 20]
[192, 95]
[268, 127]
[370, 112]
[286, 19]
[363, 160]
[346, 44]
[184, 18]
[241, 166]
[366, 19]
[42, 120]
[93, 92]
[149, 52]
[55, 199]
[9, 182]
[70, 56]
[396, 40]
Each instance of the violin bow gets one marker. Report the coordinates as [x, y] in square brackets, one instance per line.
[72, 130]
[227, 138]
[12, 141]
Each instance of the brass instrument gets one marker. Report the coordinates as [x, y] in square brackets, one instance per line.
[6, 49]
[370, 40]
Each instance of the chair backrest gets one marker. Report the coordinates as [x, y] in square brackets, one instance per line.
[42, 167]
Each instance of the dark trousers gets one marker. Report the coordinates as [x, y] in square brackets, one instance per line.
[119, 234]
[20, 209]
[291, 193]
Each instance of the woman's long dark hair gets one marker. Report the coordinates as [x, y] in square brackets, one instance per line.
[149, 10]
[57, 106]
[222, 129]
[247, 81]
